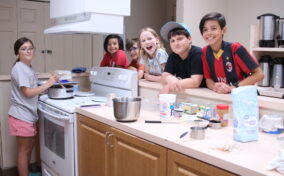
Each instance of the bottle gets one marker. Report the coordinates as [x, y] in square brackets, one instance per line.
[223, 113]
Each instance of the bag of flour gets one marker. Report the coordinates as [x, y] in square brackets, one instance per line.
[246, 113]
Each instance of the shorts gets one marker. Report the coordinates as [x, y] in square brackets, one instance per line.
[22, 128]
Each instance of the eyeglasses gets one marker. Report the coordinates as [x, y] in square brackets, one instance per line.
[132, 49]
[27, 49]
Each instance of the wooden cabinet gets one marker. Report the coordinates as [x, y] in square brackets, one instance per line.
[29, 18]
[106, 151]
[134, 156]
[181, 165]
[92, 150]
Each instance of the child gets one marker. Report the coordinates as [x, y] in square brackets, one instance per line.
[225, 65]
[114, 56]
[22, 115]
[184, 67]
[153, 55]
[133, 47]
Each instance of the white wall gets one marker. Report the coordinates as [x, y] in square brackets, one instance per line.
[240, 15]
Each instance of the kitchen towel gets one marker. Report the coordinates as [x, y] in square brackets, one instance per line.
[246, 113]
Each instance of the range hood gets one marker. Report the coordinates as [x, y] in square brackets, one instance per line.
[88, 16]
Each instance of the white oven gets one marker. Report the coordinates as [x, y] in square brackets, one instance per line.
[57, 132]
[57, 121]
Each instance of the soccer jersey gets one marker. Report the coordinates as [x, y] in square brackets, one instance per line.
[233, 65]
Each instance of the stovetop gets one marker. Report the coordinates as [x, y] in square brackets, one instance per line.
[69, 105]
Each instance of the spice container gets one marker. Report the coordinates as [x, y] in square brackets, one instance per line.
[223, 113]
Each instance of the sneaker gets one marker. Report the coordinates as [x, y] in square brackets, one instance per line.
[35, 174]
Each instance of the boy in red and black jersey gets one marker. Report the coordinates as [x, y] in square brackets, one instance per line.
[225, 65]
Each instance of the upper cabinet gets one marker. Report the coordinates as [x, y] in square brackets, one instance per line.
[29, 18]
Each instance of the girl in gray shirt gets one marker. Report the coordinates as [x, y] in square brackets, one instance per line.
[24, 100]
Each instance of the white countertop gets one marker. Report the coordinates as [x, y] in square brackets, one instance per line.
[248, 159]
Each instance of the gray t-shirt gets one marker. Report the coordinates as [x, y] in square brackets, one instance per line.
[22, 107]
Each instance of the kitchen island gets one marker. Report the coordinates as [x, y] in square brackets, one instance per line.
[174, 155]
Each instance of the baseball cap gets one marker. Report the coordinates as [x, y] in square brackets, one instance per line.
[166, 28]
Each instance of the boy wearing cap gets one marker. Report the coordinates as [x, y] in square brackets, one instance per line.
[184, 66]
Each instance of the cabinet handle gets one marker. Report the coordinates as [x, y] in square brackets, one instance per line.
[106, 138]
[49, 51]
[43, 51]
[109, 142]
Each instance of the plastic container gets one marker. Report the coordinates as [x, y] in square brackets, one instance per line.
[167, 102]
[223, 113]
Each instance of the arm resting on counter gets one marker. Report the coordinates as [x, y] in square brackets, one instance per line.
[172, 83]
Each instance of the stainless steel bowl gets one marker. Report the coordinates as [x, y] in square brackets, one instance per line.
[126, 109]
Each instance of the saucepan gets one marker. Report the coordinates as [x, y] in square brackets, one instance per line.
[58, 92]
[196, 132]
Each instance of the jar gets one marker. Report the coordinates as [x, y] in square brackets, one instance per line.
[223, 113]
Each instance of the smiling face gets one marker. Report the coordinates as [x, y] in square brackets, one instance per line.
[180, 44]
[112, 46]
[134, 51]
[213, 34]
[149, 42]
[26, 53]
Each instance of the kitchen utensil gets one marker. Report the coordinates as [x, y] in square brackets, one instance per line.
[178, 112]
[264, 65]
[61, 85]
[267, 25]
[126, 109]
[215, 124]
[196, 132]
[159, 121]
[57, 92]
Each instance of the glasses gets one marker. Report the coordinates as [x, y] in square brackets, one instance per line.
[27, 49]
[132, 49]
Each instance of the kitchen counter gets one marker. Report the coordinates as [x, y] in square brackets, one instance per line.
[206, 96]
[249, 159]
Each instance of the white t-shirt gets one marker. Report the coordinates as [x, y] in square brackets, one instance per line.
[22, 107]
[154, 64]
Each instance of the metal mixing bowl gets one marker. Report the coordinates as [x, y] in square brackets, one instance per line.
[126, 109]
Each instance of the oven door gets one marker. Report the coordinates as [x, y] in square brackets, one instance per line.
[57, 142]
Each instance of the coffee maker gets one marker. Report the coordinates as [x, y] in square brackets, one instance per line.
[280, 36]
[267, 26]
[264, 62]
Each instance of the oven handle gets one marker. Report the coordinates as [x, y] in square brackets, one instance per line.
[54, 116]
[46, 172]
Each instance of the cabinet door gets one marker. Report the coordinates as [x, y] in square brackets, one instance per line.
[181, 165]
[136, 157]
[92, 151]
[31, 25]
[8, 34]
[66, 51]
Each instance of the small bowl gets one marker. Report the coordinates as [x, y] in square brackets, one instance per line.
[215, 124]
[126, 109]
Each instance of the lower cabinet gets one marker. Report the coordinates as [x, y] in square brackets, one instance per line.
[107, 151]
[181, 165]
